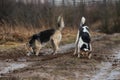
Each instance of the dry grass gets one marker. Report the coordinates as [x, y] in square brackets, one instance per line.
[69, 35]
[19, 34]
[10, 35]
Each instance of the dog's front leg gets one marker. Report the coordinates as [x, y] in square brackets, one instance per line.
[37, 51]
[38, 46]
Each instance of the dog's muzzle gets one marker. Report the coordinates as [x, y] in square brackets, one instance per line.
[30, 53]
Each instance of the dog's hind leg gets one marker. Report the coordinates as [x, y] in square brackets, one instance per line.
[78, 52]
[76, 44]
[76, 49]
[55, 46]
[83, 53]
[90, 54]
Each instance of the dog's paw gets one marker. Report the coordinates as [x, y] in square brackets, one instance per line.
[86, 49]
[53, 53]
[89, 56]
[79, 55]
[28, 54]
[74, 53]
[37, 54]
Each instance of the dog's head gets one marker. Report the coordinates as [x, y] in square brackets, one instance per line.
[60, 22]
[29, 49]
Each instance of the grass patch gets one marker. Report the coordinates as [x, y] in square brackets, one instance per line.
[69, 36]
[13, 38]
[116, 39]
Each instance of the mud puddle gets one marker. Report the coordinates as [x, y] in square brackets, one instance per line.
[7, 67]
[63, 49]
[81, 68]
[109, 70]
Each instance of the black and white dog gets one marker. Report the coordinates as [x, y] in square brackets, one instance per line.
[83, 40]
[39, 40]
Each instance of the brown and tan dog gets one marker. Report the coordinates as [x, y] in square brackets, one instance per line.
[39, 40]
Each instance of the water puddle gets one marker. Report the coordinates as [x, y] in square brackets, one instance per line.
[63, 49]
[6, 67]
[109, 70]
[66, 48]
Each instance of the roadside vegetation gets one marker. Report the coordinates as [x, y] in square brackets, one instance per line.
[18, 21]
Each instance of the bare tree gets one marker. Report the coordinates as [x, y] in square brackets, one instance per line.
[63, 2]
[53, 2]
[105, 17]
[82, 7]
[74, 2]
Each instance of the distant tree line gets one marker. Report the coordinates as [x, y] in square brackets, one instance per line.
[15, 13]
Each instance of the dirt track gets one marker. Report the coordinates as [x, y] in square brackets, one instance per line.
[104, 65]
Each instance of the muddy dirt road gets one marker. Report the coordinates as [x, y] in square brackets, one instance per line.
[109, 69]
[104, 65]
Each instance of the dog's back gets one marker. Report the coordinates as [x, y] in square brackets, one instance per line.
[43, 36]
[84, 34]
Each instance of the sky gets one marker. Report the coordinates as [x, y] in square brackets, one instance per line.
[57, 2]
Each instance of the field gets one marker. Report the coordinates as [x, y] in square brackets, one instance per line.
[104, 65]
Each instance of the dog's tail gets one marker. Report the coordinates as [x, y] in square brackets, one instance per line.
[60, 23]
[82, 21]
